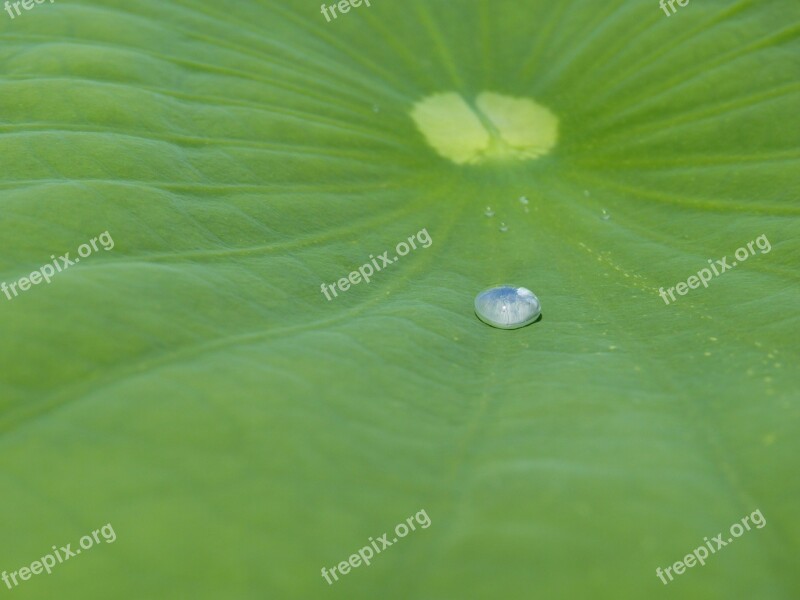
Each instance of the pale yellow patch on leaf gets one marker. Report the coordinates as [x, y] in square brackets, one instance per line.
[497, 128]
[451, 127]
[526, 126]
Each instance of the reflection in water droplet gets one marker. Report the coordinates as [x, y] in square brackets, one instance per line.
[489, 212]
[507, 307]
[503, 227]
[523, 199]
[605, 216]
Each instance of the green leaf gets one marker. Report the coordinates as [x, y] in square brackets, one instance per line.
[194, 387]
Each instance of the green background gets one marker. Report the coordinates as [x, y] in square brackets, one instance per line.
[194, 388]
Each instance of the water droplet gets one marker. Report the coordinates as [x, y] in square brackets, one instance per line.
[507, 307]
[376, 108]
[526, 209]
[605, 216]
[489, 212]
[523, 199]
[586, 193]
[503, 227]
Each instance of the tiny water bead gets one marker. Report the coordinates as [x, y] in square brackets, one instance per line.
[503, 227]
[523, 199]
[604, 215]
[489, 212]
[507, 307]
